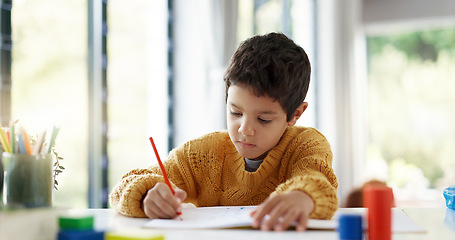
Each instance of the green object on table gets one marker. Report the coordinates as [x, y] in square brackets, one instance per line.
[133, 234]
[76, 222]
[28, 180]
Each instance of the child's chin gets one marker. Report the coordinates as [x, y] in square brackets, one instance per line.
[251, 157]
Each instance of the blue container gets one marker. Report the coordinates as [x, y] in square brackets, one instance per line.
[78, 235]
[350, 227]
[449, 194]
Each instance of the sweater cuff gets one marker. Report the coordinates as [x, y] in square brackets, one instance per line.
[323, 194]
[126, 198]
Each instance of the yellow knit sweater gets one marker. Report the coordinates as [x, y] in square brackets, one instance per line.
[211, 171]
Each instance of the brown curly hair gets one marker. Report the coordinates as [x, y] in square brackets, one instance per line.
[271, 65]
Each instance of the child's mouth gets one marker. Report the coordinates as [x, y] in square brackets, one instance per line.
[246, 145]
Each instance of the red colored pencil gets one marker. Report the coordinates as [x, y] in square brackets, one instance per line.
[163, 171]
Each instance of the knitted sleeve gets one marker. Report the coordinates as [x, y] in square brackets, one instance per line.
[127, 195]
[310, 170]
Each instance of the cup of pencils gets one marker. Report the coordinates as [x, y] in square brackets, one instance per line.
[27, 164]
[28, 180]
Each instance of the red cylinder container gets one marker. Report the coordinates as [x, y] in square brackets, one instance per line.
[378, 200]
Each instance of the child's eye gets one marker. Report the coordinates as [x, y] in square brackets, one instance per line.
[264, 121]
[237, 114]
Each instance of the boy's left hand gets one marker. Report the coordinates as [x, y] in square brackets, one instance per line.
[283, 210]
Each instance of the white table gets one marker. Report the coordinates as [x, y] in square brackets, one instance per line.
[439, 224]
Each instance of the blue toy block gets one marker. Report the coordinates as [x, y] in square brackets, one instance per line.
[449, 194]
[79, 235]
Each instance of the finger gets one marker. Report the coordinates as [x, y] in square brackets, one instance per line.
[261, 211]
[164, 203]
[163, 190]
[302, 223]
[157, 211]
[181, 196]
[290, 216]
[147, 203]
[151, 210]
[167, 204]
[274, 217]
[252, 213]
[175, 199]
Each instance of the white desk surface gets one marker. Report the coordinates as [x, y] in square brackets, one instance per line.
[439, 223]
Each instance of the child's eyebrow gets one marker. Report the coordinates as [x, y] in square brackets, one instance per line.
[233, 104]
[266, 112]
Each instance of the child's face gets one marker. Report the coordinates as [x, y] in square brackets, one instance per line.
[255, 124]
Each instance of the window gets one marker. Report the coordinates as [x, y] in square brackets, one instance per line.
[50, 74]
[49, 86]
[137, 84]
[410, 113]
[293, 18]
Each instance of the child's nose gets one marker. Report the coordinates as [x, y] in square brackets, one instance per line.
[246, 128]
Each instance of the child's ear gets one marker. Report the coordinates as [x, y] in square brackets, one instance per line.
[298, 112]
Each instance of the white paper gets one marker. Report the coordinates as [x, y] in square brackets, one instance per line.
[239, 216]
[207, 217]
[402, 223]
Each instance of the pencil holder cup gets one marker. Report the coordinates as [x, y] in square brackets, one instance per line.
[28, 180]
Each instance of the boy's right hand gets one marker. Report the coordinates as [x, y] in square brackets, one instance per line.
[159, 202]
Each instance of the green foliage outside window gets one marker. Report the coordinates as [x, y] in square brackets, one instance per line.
[411, 78]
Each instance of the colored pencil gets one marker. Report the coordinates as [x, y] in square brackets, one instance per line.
[55, 131]
[20, 144]
[4, 140]
[13, 137]
[163, 171]
[28, 147]
[39, 144]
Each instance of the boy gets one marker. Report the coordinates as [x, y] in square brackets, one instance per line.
[262, 158]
